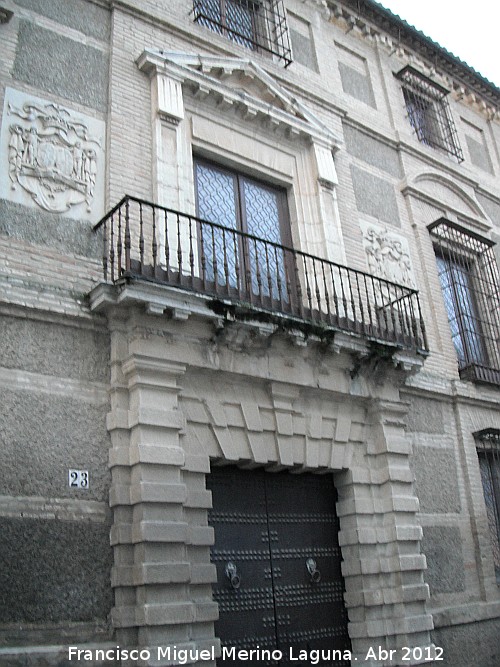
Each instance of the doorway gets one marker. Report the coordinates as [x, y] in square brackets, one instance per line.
[279, 582]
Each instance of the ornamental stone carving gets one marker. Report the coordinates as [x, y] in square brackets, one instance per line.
[54, 156]
[387, 254]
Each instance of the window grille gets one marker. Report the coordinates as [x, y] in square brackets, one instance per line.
[256, 25]
[429, 112]
[470, 281]
[488, 451]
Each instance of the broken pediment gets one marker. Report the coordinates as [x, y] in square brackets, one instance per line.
[235, 84]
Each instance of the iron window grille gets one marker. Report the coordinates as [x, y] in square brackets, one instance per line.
[488, 451]
[429, 112]
[259, 25]
[470, 281]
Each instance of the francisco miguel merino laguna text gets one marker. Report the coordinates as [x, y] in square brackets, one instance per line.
[184, 656]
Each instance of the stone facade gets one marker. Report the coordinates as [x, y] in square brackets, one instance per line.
[145, 386]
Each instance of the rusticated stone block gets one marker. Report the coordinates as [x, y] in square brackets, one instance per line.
[44, 435]
[62, 66]
[90, 19]
[442, 546]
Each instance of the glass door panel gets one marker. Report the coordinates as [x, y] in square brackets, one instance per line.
[217, 202]
[255, 268]
[267, 262]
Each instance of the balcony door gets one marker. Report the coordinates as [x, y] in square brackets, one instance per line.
[241, 252]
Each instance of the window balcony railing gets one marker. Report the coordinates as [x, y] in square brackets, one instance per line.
[256, 278]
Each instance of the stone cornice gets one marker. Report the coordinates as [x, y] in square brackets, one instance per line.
[164, 301]
[205, 76]
[375, 22]
[475, 212]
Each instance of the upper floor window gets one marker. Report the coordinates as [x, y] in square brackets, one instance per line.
[250, 259]
[470, 283]
[259, 25]
[429, 112]
[488, 451]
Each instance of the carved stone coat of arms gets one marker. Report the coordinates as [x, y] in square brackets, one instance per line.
[54, 156]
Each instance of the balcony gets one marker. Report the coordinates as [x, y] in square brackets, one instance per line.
[248, 277]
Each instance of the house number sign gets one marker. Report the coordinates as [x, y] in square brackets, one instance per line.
[78, 479]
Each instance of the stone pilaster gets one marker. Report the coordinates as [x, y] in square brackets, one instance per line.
[162, 573]
[328, 203]
[380, 538]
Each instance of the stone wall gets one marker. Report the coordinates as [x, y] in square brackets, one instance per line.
[189, 393]
[463, 588]
[333, 131]
[54, 355]
[53, 384]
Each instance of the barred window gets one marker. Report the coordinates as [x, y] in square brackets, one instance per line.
[470, 281]
[259, 25]
[488, 451]
[429, 112]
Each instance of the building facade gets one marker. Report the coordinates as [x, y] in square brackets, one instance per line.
[250, 316]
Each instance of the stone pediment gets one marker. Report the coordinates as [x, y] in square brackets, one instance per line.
[442, 191]
[255, 87]
[239, 85]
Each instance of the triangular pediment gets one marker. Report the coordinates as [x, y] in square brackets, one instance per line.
[242, 85]
[253, 86]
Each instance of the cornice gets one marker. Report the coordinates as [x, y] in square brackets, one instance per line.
[374, 22]
[475, 217]
[207, 77]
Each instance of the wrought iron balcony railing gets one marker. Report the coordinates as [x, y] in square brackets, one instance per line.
[270, 281]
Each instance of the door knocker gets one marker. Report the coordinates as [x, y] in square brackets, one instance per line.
[313, 570]
[231, 572]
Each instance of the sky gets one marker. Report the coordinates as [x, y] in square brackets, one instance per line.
[469, 31]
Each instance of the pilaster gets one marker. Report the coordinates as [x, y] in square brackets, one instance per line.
[328, 203]
[162, 573]
[380, 538]
[171, 160]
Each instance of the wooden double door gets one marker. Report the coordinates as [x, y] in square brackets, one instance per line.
[279, 582]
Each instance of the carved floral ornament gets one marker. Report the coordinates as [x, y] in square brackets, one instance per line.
[53, 157]
[388, 255]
